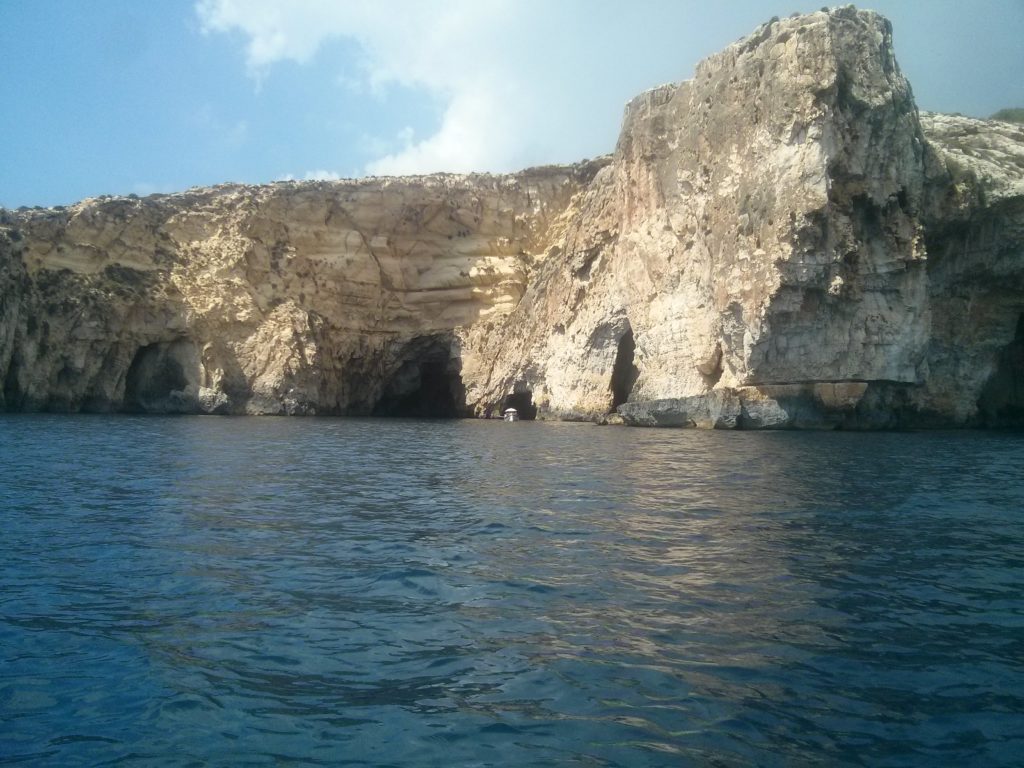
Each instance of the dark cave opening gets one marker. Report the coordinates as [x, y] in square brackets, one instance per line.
[523, 403]
[426, 384]
[624, 372]
[153, 377]
[12, 386]
[1001, 403]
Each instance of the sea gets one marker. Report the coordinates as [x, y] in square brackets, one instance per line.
[204, 591]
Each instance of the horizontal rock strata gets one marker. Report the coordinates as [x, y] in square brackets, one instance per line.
[782, 241]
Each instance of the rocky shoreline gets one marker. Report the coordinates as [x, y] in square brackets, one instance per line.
[783, 241]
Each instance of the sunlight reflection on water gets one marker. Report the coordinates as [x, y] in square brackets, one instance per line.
[409, 593]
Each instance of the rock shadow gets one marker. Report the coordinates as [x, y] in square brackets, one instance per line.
[624, 371]
[426, 381]
[1001, 403]
[523, 402]
[163, 378]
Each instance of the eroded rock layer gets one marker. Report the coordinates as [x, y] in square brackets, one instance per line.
[289, 298]
[782, 241]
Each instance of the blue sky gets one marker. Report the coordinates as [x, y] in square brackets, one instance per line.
[133, 96]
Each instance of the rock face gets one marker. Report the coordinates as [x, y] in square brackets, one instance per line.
[293, 298]
[782, 241]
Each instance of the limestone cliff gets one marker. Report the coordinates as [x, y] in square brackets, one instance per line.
[781, 241]
[289, 298]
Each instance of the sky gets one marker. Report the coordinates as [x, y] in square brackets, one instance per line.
[143, 96]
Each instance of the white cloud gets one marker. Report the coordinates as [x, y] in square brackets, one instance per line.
[449, 48]
[322, 175]
[521, 82]
[319, 174]
[475, 134]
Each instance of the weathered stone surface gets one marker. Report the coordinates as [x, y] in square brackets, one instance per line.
[291, 298]
[782, 241]
[975, 239]
[782, 234]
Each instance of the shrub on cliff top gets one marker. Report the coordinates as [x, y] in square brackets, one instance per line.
[1009, 115]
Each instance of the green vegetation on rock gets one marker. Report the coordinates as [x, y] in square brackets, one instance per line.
[1009, 115]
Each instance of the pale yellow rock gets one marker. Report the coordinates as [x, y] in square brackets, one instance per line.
[781, 241]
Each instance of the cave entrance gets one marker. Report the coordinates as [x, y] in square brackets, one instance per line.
[522, 402]
[1002, 400]
[624, 372]
[159, 380]
[12, 385]
[426, 384]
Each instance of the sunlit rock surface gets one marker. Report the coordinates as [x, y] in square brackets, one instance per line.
[782, 241]
[288, 298]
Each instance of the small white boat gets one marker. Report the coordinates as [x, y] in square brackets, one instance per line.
[511, 414]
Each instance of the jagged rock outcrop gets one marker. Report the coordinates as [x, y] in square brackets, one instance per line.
[289, 298]
[781, 241]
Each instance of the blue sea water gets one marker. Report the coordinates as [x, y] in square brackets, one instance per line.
[261, 591]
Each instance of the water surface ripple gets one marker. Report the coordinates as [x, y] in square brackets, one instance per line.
[222, 591]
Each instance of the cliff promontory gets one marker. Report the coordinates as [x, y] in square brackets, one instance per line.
[782, 241]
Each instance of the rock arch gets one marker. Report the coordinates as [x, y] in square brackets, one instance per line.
[163, 378]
